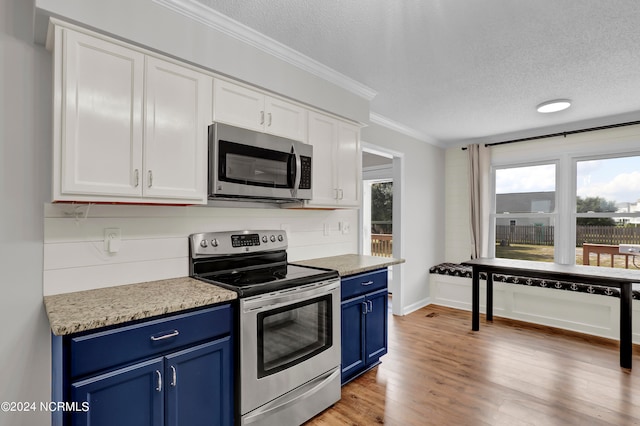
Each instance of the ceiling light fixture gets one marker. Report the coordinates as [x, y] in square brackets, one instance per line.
[554, 105]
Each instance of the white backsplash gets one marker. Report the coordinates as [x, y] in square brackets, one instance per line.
[154, 239]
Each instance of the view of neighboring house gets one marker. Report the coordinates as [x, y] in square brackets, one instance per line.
[526, 202]
[628, 208]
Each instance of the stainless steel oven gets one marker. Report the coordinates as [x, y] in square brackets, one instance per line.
[245, 164]
[289, 324]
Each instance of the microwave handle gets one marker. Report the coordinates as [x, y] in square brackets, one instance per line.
[296, 183]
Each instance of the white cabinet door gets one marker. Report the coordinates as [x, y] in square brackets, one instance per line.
[323, 133]
[251, 109]
[349, 165]
[337, 167]
[285, 119]
[238, 105]
[177, 112]
[98, 136]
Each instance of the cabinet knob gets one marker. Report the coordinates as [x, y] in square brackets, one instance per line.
[261, 117]
[136, 177]
[150, 183]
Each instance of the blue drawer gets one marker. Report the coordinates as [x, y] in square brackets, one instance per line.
[106, 349]
[356, 285]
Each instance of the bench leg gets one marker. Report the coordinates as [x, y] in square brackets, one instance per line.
[626, 346]
[489, 296]
[475, 300]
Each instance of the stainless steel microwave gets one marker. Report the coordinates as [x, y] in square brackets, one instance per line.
[245, 164]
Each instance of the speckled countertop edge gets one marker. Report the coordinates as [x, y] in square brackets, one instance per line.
[91, 309]
[350, 264]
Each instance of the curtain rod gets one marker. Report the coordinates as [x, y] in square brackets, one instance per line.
[553, 135]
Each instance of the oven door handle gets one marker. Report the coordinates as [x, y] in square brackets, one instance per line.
[265, 303]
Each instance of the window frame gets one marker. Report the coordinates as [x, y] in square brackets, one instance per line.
[565, 213]
[553, 216]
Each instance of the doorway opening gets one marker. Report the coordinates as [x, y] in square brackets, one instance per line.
[381, 213]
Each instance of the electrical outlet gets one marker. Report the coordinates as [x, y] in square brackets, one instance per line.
[112, 240]
[345, 227]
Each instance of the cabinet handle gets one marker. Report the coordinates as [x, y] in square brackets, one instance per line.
[174, 333]
[370, 305]
[136, 174]
[159, 387]
[269, 115]
[366, 308]
[150, 178]
[261, 117]
[367, 283]
[174, 378]
[341, 192]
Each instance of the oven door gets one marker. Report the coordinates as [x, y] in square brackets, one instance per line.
[287, 340]
[245, 163]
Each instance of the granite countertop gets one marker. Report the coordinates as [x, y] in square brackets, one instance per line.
[90, 309]
[350, 264]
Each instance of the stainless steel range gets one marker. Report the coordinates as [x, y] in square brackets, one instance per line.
[289, 324]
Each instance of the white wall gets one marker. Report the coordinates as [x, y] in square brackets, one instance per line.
[25, 139]
[423, 215]
[154, 240]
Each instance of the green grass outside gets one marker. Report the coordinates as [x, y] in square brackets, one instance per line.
[545, 254]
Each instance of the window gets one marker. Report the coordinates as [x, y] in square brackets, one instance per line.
[575, 205]
[607, 209]
[525, 211]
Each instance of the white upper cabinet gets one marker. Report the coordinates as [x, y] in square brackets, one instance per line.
[337, 165]
[251, 109]
[128, 127]
[177, 112]
[97, 118]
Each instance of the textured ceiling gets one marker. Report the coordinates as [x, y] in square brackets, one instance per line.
[466, 70]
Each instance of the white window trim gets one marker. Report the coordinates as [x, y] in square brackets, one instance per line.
[565, 152]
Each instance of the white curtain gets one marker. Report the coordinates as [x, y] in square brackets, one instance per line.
[479, 164]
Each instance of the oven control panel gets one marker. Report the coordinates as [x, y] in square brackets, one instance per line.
[236, 242]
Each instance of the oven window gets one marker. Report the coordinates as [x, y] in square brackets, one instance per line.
[292, 334]
[255, 166]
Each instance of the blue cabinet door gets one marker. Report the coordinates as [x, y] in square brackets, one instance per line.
[353, 326]
[199, 385]
[130, 396]
[376, 326]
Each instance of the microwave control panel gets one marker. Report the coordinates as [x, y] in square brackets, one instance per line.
[305, 173]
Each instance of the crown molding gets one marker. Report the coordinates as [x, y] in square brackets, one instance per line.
[216, 20]
[405, 130]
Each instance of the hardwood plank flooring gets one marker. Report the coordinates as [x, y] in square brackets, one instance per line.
[439, 372]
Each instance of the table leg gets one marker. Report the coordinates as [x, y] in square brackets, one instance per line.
[489, 296]
[475, 299]
[626, 346]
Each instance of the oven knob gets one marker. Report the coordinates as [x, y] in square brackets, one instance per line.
[203, 243]
[264, 239]
[280, 238]
[273, 238]
[214, 242]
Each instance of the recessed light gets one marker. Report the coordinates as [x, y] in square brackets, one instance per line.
[554, 105]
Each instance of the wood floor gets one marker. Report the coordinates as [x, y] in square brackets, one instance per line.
[439, 372]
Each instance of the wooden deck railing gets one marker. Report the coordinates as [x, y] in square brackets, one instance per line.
[598, 249]
[381, 245]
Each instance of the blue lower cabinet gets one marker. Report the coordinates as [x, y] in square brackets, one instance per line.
[364, 322]
[172, 382]
[197, 385]
[353, 349]
[130, 396]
